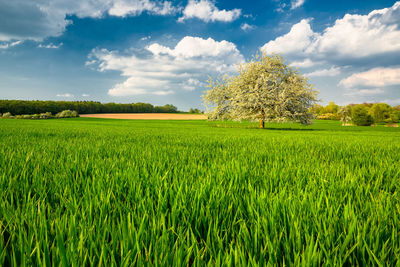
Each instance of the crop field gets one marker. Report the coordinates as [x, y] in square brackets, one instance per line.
[84, 191]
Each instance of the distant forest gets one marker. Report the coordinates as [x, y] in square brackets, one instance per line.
[19, 107]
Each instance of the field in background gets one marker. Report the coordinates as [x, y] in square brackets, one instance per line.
[147, 116]
[99, 192]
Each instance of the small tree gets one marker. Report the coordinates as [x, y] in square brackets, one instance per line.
[345, 114]
[360, 116]
[331, 108]
[67, 114]
[266, 90]
[380, 112]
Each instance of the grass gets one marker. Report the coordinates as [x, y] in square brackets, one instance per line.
[77, 192]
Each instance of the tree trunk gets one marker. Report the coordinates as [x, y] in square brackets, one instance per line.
[262, 120]
[262, 123]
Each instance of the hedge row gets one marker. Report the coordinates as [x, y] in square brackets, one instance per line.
[18, 107]
[46, 115]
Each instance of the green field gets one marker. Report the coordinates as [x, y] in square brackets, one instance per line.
[83, 191]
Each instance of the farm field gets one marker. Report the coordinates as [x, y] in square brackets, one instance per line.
[147, 116]
[90, 191]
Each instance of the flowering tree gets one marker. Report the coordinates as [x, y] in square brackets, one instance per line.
[265, 89]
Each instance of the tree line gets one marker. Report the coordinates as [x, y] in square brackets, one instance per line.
[359, 114]
[19, 107]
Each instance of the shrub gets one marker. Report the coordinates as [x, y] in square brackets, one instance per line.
[393, 117]
[7, 115]
[329, 116]
[67, 114]
[46, 115]
[27, 117]
[361, 117]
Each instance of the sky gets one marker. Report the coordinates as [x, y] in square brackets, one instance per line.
[163, 52]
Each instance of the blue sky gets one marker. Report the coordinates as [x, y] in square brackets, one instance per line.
[163, 51]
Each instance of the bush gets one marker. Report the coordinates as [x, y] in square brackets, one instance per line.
[329, 116]
[361, 117]
[195, 111]
[393, 117]
[67, 114]
[46, 115]
[7, 115]
[27, 117]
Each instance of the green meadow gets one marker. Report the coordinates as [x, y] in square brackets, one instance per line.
[81, 192]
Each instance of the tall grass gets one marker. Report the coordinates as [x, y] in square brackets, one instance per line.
[113, 192]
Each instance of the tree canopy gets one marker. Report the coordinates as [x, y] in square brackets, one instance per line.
[266, 89]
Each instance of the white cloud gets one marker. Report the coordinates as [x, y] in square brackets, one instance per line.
[296, 3]
[353, 36]
[207, 11]
[364, 92]
[247, 27]
[298, 40]
[66, 95]
[123, 8]
[190, 47]
[376, 77]
[167, 70]
[85, 95]
[333, 71]
[36, 20]
[9, 44]
[139, 86]
[306, 63]
[50, 46]
[191, 84]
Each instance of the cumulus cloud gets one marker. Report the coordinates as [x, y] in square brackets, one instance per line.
[298, 40]
[296, 4]
[353, 36]
[36, 20]
[333, 71]
[306, 63]
[191, 84]
[376, 77]
[123, 8]
[207, 11]
[166, 70]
